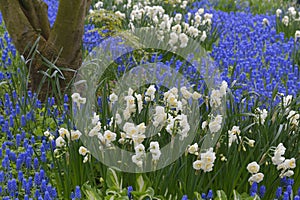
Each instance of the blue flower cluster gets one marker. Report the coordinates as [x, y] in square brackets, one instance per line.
[253, 55]
[285, 190]
[52, 10]
[22, 155]
[7, 50]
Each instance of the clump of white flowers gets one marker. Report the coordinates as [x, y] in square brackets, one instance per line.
[85, 153]
[135, 133]
[139, 155]
[155, 150]
[64, 135]
[150, 93]
[206, 161]
[293, 118]
[217, 95]
[107, 138]
[297, 35]
[216, 124]
[160, 116]
[234, 135]
[170, 116]
[283, 164]
[193, 149]
[287, 100]
[285, 20]
[289, 20]
[261, 115]
[174, 28]
[256, 176]
[49, 135]
[77, 99]
[278, 12]
[265, 22]
[178, 125]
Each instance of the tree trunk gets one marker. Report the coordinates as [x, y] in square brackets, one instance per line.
[27, 21]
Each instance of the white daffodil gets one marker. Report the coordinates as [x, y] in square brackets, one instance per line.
[293, 118]
[203, 37]
[215, 98]
[83, 151]
[140, 150]
[95, 119]
[277, 160]
[137, 160]
[278, 12]
[156, 155]
[287, 173]
[285, 20]
[208, 157]
[154, 146]
[193, 149]
[47, 133]
[64, 133]
[95, 130]
[290, 163]
[204, 125]
[256, 178]
[109, 136]
[141, 128]
[265, 22]
[207, 167]
[185, 93]
[160, 116]
[183, 38]
[60, 142]
[75, 135]
[150, 93]
[253, 167]
[197, 165]
[86, 158]
[297, 35]
[215, 124]
[113, 98]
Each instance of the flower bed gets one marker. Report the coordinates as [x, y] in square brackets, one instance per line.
[175, 100]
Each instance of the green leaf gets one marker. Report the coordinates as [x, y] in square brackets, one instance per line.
[142, 195]
[198, 196]
[142, 183]
[246, 196]
[91, 193]
[236, 195]
[221, 195]
[3, 83]
[112, 179]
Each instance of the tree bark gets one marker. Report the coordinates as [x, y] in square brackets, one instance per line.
[27, 20]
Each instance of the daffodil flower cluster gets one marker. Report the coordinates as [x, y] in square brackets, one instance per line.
[77, 99]
[261, 115]
[283, 164]
[84, 152]
[140, 153]
[206, 161]
[256, 176]
[293, 118]
[131, 104]
[234, 135]
[64, 135]
[178, 27]
[217, 95]
[291, 14]
[169, 116]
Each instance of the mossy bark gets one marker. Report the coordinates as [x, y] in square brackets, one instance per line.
[27, 20]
